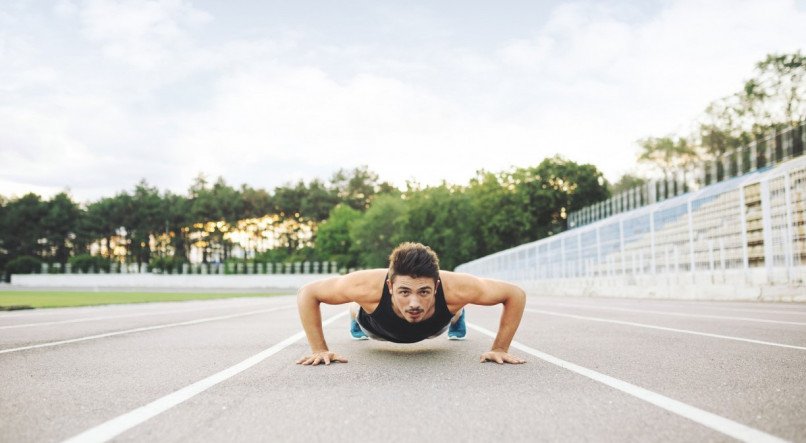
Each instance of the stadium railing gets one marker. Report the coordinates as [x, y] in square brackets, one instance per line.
[741, 238]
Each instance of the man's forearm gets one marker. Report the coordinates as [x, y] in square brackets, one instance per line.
[311, 318]
[510, 320]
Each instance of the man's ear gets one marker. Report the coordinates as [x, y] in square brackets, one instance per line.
[389, 284]
[437, 286]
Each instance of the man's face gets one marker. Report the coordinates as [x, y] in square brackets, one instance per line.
[413, 298]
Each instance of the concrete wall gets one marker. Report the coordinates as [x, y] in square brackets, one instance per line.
[157, 281]
[735, 285]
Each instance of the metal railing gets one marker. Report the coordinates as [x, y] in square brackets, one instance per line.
[766, 152]
[753, 224]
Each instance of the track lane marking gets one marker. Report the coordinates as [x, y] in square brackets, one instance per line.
[710, 420]
[110, 317]
[714, 305]
[679, 314]
[71, 310]
[147, 328]
[116, 426]
[662, 328]
[757, 311]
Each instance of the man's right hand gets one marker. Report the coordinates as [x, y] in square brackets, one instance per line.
[325, 357]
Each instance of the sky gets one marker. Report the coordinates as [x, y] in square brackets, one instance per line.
[97, 95]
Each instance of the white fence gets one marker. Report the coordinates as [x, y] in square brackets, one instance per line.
[228, 268]
[290, 282]
[744, 238]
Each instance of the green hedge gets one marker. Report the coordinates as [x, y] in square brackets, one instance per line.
[89, 263]
[167, 265]
[24, 264]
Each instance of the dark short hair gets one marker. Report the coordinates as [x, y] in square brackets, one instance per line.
[413, 260]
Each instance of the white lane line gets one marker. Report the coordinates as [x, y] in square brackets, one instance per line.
[661, 328]
[116, 426]
[147, 328]
[678, 314]
[757, 311]
[71, 310]
[705, 418]
[110, 317]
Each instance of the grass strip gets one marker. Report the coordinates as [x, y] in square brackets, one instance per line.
[12, 300]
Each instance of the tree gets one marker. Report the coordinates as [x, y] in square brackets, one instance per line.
[625, 183]
[4, 258]
[60, 224]
[21, 226]
[288, 198]
[668, 154]
[776, 96]
[444, 218]
[177, 214]
[358, 187]
[213, 210]
[256, 202]
[724, 126]
[501, 221]
[333, 236]
[316, 201]
[145, 220]
[120, 215]
[378, 231]
[104, 220]
[552, 190]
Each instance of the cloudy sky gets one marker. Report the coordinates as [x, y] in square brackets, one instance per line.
[95, 95]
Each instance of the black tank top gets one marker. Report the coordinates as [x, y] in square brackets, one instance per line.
[385, 323]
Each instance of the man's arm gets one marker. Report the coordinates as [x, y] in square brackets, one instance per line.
[332, 291]
[488, 292]
[514, 300]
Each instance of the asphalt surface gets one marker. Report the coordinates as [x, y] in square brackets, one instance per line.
[95, 366]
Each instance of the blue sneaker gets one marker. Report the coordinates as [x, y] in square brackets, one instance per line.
[356, 332]
[458, 330]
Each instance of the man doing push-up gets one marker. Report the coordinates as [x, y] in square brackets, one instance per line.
[411, 301]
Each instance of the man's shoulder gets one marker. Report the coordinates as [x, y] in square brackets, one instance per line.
[459, 286]
[372, 275]
[364, 284]
[459, 277]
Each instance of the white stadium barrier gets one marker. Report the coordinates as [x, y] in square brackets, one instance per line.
[162, 281]
[743, 238]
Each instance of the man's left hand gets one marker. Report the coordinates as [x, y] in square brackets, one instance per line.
[501, 357]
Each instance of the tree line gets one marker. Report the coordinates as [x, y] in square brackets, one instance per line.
[354, 219]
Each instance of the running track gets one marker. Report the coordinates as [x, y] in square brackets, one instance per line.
[222, 371]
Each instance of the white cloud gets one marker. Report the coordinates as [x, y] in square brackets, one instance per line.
[137, 92]
[142, 34]
[301, 116]
[65, 8]
[611, 82]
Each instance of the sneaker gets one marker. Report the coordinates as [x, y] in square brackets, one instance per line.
[458, 330]
[356, 332]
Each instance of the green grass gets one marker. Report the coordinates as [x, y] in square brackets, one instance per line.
[59, 299]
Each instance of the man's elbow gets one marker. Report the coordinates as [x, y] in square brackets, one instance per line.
[518, 295]
[305, 295]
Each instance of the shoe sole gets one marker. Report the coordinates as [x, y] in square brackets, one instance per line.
[360, 338]
[456, 338]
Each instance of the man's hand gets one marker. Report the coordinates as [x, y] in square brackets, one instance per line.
[325, 357]
[501, 357]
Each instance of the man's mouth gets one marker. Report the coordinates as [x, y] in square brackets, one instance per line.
[414, 313]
